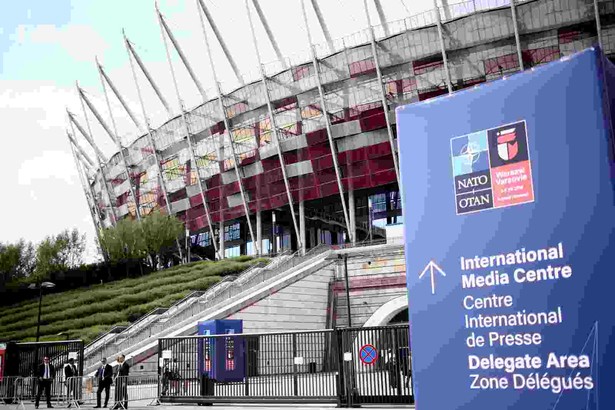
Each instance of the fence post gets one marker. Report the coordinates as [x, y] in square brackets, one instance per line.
[295, 381]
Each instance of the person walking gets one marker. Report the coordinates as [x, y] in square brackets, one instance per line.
[71, 373]
[45, 374]
[121, 386]
[104, 375]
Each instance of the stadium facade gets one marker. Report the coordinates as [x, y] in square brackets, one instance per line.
[303, 178]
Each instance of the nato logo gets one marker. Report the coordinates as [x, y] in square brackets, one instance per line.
[491, 169]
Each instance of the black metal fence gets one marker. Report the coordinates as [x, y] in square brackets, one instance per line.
[344, 366]
[24, 359]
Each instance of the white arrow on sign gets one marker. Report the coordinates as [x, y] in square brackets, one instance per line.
[432, 268]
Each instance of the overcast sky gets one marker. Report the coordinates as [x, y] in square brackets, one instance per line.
[46, 45]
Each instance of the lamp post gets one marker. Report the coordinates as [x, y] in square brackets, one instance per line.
[40, 287]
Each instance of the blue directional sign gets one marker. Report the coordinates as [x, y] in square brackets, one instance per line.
[508, 194]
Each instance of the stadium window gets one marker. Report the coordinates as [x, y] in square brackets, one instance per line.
[358, 109]
[568, 35]
[302, 71]
[379, 203]
[425, 66]
[358, 68]
[538, 56]
[285, 104]
[325, 237]
[172, 169]
[400, 87]
[236, 108]
[395, 200]
[290, 130]
[232, 232]
[311, 111]
[286, 241]
[250, 249]
[501, 64]
[380, 223]
[204, 239]
[232, 252]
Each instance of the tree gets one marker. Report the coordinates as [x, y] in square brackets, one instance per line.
[59, 253]
[123, 242]
[71, 253]
[160, 232]
[17, 260]
[10, 256]
[130, 239]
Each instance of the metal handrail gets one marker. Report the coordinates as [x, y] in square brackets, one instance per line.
[132, 326]
[217, 294]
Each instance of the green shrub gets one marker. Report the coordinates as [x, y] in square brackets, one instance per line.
[87, 312]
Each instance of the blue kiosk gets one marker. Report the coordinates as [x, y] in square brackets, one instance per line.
[221, 359]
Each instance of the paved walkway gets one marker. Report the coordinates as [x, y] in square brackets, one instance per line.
[29, 406]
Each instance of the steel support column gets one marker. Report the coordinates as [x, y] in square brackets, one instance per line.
[598, 26]
[86, 188]
[274, 131]
[259, 229]
[166, 29]
[80, 151]
[150, 138]
[228, 55]
[381, 16]
[131, 51]
[447, 9]
[325, 113]
[105, 187]
[323, 25]
[132, 116]
[98, 153]
[263, 20]
[442, 48]
[352, 209]
[513, 11]
[114, 137]
[221, 237]
[302, 226]
[383, 98]
[227, 126]
[163, 28]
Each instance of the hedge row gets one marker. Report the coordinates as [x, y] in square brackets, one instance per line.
[87, 312]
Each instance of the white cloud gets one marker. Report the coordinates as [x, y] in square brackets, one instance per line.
[51, 164]
[77, 40]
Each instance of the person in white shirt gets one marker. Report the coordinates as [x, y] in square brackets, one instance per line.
[46, 373]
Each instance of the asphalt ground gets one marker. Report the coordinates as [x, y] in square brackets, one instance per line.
[30, 406]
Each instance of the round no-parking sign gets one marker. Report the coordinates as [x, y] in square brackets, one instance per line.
[368, 354]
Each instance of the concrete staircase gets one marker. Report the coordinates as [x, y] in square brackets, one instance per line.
[140, 341]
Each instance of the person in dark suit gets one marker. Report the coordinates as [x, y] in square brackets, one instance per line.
[71, 373]
[121, 385]
[45, 374]
[104, 375]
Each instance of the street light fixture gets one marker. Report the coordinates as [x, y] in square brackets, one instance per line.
[33, 286]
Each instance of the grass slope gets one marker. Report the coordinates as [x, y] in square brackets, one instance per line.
[86, 312]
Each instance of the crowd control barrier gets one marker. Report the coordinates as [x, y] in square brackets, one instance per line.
[8, 389]
[139, 390]
[17, 390]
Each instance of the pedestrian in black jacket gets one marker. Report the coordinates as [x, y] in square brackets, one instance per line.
[45, 374]
[121, 384]
[71, 373]
[104, 375]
